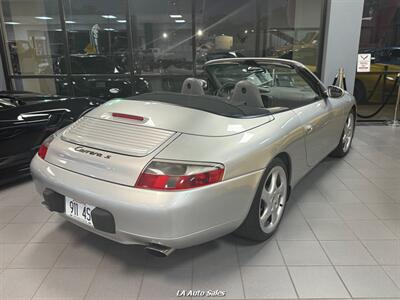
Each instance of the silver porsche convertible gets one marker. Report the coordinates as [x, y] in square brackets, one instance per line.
[172, 170]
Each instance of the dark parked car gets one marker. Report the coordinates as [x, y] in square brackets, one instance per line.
[26, 119]
[105, 87]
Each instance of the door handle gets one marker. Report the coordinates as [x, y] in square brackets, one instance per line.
[33, 116]
[308, 128]
[41, 115]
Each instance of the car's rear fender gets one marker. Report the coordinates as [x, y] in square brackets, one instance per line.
[248, 151]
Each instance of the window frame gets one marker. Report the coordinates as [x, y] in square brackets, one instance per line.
[313, 81]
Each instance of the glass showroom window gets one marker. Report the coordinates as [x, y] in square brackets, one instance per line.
[162, 42]
[293, 30]
[119, 48]
[98, 49]
[225, 29]
[32, 41]
[376, 90]
[285, 29]
[97, 30]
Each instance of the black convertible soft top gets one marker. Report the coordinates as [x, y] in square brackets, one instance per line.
[211, 104]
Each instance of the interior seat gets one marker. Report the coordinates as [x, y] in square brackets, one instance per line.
[192, 86]
[246, 93]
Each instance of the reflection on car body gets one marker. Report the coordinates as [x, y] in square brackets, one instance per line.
[26, 119]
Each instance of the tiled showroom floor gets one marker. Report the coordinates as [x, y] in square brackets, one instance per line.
[340, 238]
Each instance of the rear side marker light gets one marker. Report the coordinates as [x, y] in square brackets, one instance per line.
[45, 146]
[42, 151]
[169, 176]
[126, 116]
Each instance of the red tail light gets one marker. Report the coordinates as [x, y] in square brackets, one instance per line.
[177, 176]
[42, 151]
[44, 146]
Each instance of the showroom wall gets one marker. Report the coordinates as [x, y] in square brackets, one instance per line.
[342, 35]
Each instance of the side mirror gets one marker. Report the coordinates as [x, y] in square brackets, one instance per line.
[334, 92]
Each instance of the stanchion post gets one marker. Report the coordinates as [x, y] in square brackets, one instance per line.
[340, 81]
[385, 71]
[395, 122]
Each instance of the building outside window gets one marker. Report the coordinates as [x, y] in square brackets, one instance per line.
[376, 90]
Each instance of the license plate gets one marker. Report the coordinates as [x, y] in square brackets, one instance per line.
[79, 211]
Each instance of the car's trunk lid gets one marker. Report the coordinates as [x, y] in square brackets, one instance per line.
[107, 150]
[114, 142]
[95, 163]
[176, 118]
[116, 137]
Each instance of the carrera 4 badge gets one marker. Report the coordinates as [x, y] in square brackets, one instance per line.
[91, 152]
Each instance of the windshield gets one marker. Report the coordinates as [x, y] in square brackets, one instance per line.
[91, 65]
[225, 73]
[279, 85]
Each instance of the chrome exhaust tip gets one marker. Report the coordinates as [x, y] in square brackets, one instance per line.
[158, 250]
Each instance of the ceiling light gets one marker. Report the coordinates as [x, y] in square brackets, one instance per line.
[70, 22]
[58, 29]
[12, 23]
[121, 21]
[109, 29]
[165, 35]
[246, 31]
[180, 21]
[175, 16]
[199, 32]
[44, 18]
[108, 17]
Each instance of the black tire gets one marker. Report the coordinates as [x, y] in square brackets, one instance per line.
[341, 150]
[251, 228]
[360, 92]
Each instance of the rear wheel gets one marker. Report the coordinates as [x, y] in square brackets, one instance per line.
[268, 204]
[347, 136]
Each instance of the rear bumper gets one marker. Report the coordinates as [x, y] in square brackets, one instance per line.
[174, 219]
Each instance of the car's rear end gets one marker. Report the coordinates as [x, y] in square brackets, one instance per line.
[106, 173]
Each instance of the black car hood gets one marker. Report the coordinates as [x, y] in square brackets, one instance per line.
[31, 98]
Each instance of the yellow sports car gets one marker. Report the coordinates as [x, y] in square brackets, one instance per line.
[365, 82]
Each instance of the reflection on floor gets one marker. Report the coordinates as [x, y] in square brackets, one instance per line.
[385, 114]
[340, 238]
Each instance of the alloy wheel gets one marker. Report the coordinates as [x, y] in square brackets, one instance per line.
[273, 199]
[348, 132]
